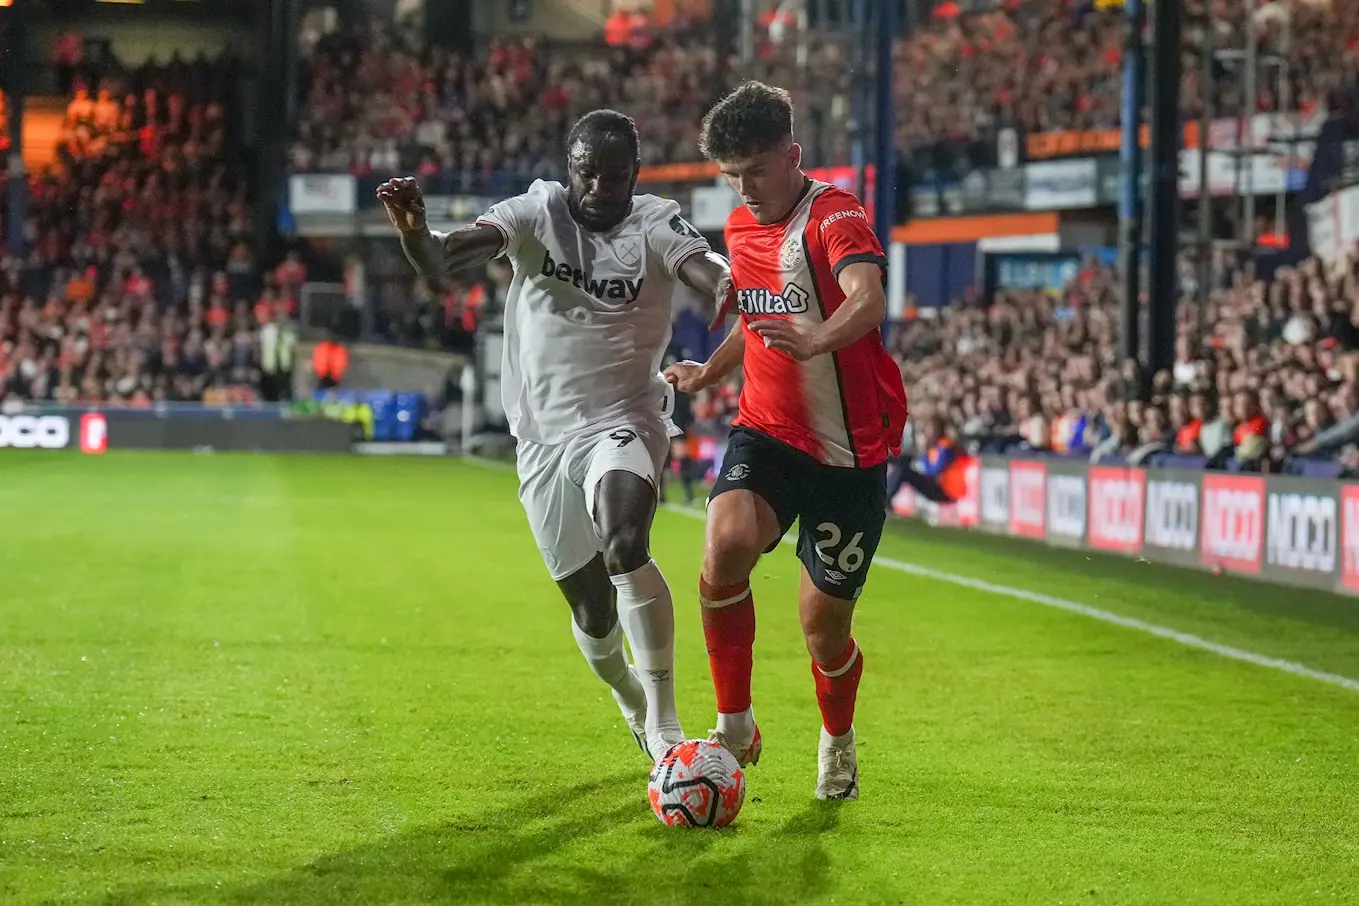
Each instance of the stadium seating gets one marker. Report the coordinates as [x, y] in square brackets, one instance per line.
[1277, 365]
[1038, 65]
[488, 124]
[1037, 372]
[141, 283]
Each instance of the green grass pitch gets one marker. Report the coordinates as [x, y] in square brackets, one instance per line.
[331, 680]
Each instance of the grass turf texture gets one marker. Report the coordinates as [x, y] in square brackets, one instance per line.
[247, 679]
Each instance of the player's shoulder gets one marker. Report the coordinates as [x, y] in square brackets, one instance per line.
[538, 192]
[654, 206]
[663, 214]
[540, 188]
[654, 212]
[832, 203]
[542, 195]
[740, 216]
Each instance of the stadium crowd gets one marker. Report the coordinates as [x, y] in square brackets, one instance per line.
[493, 122]
[1276, 366]
[486, 124]
[141, 283]
[1055, 65]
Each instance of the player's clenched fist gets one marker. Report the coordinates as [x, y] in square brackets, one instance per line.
[688, 377]
[404, 203]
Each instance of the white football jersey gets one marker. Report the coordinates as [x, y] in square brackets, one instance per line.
[588, 315]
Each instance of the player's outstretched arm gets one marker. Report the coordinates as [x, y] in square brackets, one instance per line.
[433, 254]
[691, 377]
[709, 274]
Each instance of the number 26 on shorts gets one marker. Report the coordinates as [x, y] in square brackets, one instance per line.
[851, 556]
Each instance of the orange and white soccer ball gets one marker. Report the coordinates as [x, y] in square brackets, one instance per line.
[697, 784]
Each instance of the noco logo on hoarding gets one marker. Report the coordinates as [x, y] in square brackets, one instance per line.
[995, 496]
[1066, 506]
[1116, 509]
[1296, 529]
[1302, 532]
[1233, 522]
[1028, 498]
[34, 432]
[1172, 515]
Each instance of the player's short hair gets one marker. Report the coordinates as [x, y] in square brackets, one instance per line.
[606, 124]
[752, 119]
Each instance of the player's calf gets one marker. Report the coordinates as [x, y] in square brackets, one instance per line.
[729, 629]
[596, 627]
[837, 688]
[837, 666]
[741, 525]
[625, 505]
[647, 612]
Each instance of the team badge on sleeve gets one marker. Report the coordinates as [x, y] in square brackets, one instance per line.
[682, 226]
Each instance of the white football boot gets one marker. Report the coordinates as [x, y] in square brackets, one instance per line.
[635, 716]
[745, 755]
[663, 742]
[837, 775]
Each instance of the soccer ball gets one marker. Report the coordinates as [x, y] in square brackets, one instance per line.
[697, 784]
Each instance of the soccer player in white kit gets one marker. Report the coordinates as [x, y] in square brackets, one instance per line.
[588, 317]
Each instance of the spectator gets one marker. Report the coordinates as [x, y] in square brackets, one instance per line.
[1186, 420]
[142, 203]
[329, 362]
[1250, 420]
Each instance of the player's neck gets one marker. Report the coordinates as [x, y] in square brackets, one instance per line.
[798, 186]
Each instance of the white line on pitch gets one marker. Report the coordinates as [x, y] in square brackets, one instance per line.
[1095, 613]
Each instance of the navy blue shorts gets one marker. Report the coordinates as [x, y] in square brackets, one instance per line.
[840, 512]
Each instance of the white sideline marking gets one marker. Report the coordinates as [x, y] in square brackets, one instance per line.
[1105, 616]
[1095, 613]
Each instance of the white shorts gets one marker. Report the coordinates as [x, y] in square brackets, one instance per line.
[557, 485]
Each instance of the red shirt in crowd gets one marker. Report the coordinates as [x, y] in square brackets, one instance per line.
[1257, 425]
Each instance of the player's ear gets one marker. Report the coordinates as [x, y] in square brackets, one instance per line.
[795, 155]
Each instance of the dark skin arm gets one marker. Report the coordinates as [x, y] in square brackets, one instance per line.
[709, 275]
[434, 254]
[691, 377]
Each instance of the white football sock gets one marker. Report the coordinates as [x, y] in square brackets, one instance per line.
[609, 662]
[647, 615]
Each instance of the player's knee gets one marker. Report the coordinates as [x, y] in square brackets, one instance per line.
[625, 549]
[595, 618]
[827, 631]
[730, 555]
[826, 643]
